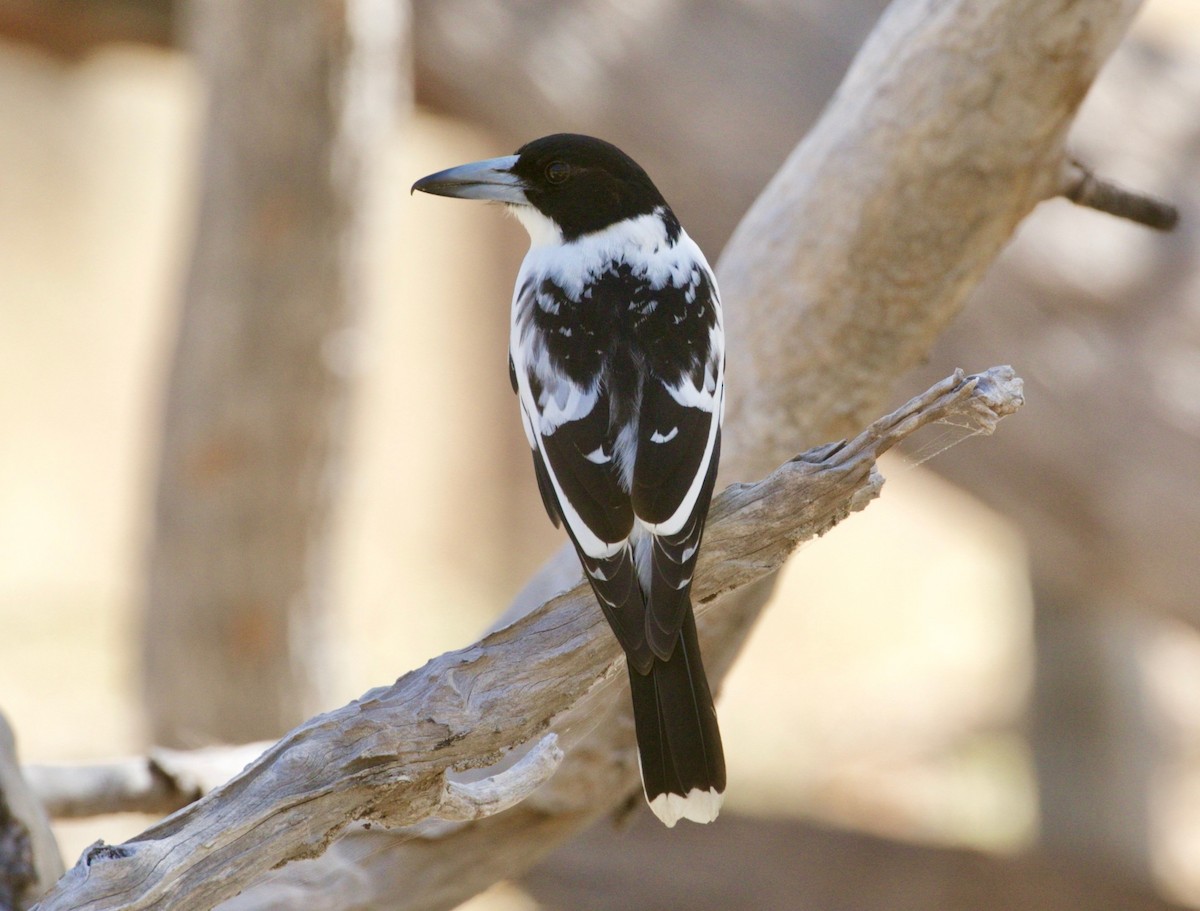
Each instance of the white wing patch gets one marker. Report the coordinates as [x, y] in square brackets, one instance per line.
[657, 437]
[527, 424]
[598, 456]
[673, 524]
[588, 541]
[705, 397]
[561, 402]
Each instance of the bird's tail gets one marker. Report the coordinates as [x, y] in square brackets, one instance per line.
[679, 743]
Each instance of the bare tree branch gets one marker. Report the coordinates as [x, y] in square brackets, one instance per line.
[162, 782]
[947, 130]
[396, 756]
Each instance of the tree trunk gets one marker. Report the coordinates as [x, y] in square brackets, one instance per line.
[30, 862]
[1093, 738]
[261, 379]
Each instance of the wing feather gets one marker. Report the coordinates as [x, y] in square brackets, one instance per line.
[674, 447]
[672, 563]
[580, 457]
[599, 520]
[568, 423]
[679, 445]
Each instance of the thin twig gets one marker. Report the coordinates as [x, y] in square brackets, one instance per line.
[1082, 186]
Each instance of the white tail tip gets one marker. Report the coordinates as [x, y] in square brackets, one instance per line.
[698, 806]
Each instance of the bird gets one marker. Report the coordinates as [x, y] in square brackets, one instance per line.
[617, 358]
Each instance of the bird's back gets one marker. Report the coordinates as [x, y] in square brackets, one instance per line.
[610, 313]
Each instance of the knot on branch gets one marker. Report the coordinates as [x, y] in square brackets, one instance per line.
[462, 801]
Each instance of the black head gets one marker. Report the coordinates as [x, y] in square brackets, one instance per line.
[580, 183]
[583, 184]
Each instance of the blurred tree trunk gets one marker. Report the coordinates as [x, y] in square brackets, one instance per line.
[73, 28]
[1094, 740]
[30, 862]
[299, 95]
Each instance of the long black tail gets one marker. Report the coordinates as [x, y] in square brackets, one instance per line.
[679, 743]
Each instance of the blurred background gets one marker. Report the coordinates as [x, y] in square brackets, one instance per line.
[259, 451]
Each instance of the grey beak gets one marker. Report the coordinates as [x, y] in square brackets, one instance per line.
[492, 179]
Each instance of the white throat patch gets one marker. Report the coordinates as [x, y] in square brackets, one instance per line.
[542, 230]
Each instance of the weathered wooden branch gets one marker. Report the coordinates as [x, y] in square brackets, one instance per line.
[402, 755]
[161, 782]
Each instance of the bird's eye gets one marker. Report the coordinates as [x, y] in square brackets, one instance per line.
[558, 171]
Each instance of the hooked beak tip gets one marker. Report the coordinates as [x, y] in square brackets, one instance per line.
[488, 180]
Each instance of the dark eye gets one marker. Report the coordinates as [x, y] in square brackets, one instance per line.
[558, 171]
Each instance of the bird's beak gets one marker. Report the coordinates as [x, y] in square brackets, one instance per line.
[492, 179]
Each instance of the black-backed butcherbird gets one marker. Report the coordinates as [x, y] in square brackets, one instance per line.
[617, 355]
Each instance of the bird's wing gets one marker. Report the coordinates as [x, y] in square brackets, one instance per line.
[545, 485]
[679, 441]
[567, 423]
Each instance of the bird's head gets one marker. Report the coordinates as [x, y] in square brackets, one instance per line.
[578, 183]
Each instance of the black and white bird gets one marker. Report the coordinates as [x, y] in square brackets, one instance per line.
[617, 355]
